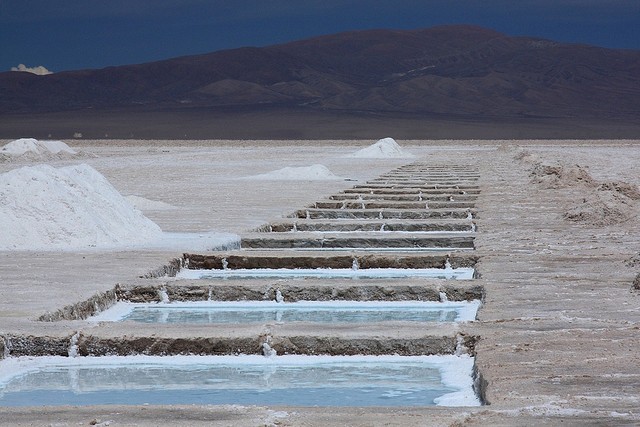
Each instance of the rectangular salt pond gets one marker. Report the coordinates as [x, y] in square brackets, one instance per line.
[211, 312]
[464, 273]
[243, 380]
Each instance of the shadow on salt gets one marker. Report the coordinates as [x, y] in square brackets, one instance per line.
[247, 380]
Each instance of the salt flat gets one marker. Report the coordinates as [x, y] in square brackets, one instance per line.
[559, 326]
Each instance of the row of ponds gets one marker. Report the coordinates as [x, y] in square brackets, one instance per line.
[418, 200]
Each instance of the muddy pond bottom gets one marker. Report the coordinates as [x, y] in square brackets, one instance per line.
[244, 380]
[304, 311]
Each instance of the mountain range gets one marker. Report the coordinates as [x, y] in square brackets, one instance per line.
[420, 82]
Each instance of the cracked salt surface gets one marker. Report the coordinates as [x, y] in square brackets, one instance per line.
[302, 311]
[252, 380]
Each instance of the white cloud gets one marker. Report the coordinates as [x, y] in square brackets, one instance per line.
[39, 70]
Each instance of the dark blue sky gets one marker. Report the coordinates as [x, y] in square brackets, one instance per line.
[76, 34]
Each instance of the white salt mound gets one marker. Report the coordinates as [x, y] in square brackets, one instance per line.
[23, 146]
[385, 148]
[74, 207]
[303, 173]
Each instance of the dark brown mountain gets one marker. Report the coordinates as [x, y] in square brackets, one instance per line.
[451, 74]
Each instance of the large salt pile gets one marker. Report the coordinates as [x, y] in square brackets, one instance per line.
[303, 173]
[32, 148]
[385, 148]
[74, 207]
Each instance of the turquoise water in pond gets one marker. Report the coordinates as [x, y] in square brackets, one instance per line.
[466, 273]
[266, 312]
[245, 380]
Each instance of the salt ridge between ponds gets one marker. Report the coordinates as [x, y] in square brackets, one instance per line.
[44, 208]
[385, 148]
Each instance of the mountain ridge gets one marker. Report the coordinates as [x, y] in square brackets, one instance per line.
[448, 70]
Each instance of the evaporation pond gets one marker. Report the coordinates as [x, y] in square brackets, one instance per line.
[304, 311]
[464, 273]
[242, 380]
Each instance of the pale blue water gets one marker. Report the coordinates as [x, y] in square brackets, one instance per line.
[328, 273]
[289, 313]
[325, 384]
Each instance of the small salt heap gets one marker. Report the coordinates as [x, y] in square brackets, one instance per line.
[31, 146]
[303, 173]
[385, 148]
